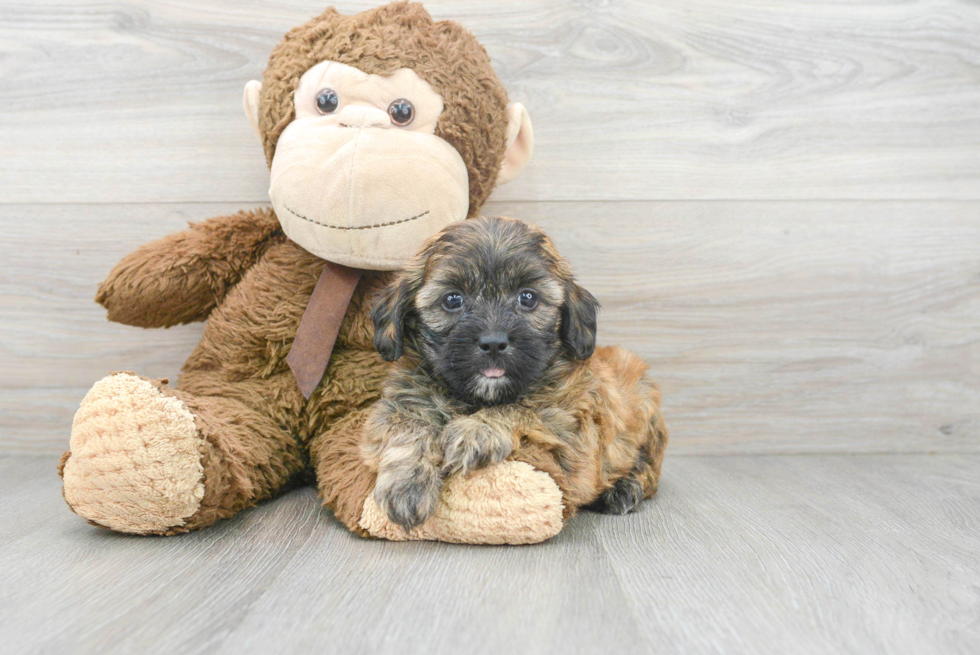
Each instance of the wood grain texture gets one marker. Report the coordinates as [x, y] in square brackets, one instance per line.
[772, 326]
[140, 100]
[830, 304]
[794, 554]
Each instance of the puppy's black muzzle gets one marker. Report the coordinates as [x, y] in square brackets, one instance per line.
[492, 335]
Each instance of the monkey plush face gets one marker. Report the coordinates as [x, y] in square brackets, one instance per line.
[360, 171]
[377, 147]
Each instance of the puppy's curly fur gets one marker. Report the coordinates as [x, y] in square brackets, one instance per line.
[497, 354]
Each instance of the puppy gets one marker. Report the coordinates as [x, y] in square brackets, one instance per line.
[497, 354]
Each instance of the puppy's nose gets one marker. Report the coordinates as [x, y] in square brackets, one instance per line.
[494, 342]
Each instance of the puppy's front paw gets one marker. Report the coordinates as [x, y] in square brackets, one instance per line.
[408, 500]
[469, 443]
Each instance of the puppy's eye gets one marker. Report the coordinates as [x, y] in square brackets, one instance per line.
[452, 301]
[527, 299]
[402, 112]
[327, 101]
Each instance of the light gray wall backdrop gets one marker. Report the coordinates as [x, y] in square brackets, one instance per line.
[778, 203]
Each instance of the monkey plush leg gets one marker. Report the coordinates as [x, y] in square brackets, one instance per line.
[145, 459]
[507, 503]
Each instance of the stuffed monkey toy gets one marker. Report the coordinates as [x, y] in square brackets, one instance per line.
[379, 129]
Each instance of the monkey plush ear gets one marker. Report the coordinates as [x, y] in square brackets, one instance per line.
[389, 314]
[253, 90]
[579, 317]
[520, 143]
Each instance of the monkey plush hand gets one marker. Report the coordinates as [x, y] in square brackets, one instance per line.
[379, 129]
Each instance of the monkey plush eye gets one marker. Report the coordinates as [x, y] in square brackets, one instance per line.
[327, 101]
[402, 112]
[527, 299]
[452, 301]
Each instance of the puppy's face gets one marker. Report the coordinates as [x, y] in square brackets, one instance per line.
[487, 304]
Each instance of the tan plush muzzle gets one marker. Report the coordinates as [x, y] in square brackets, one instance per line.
[357, 185]
[366, 195]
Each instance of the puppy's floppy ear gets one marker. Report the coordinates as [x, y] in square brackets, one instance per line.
[389, 314]
[579, 316]
[397, 300]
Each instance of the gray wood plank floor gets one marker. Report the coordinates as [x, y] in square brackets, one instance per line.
[779, 554]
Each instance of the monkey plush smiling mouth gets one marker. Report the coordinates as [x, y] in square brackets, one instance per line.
[498, 363]
[353, 130]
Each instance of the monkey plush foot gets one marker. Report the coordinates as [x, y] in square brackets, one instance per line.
[507, 503]
[135, 459]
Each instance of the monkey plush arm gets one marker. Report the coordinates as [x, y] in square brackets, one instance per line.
[183, 276]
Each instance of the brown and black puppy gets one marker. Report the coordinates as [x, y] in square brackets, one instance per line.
[498, 360]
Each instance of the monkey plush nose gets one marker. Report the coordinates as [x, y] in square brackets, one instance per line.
[494, 342]
[357, 116]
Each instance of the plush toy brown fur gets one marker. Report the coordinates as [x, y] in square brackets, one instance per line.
[149, 459]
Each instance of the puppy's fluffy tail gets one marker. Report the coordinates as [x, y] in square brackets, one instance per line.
[651, 456]
[642, 396]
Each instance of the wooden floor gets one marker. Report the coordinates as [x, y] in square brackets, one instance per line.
[777, 203]
[779, 554]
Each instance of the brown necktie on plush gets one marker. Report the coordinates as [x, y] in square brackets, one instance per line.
[318, 329]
